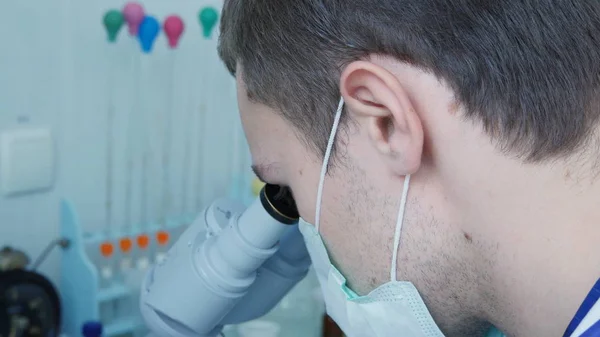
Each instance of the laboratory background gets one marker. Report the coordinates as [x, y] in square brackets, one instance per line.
[118, 126]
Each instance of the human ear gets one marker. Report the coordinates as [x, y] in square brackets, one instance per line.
[375, 98]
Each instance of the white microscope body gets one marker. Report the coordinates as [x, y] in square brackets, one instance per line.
[230, 266]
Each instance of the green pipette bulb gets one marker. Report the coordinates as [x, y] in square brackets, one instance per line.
[208, 18]
[113, 21]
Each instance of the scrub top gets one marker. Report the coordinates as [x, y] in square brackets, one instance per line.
[494, 333]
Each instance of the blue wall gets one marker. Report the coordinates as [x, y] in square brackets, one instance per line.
[56, 68]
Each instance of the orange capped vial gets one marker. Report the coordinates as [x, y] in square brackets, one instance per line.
[125, 244]
[106, 249]
[143, 241]
[162, 237]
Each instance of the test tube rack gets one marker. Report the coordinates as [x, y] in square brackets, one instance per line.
[97, 270]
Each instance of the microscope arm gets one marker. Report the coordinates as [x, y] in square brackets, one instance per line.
[275, 279]
[212, 268]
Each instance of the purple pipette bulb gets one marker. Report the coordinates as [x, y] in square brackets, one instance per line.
[133, 13]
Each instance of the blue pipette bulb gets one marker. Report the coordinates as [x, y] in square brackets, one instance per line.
[148, 31]
[92, 329]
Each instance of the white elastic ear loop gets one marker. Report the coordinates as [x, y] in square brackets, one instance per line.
[336, 122]
[399, 223]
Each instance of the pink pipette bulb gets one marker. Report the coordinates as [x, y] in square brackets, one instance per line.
[133, 13]
[173, 28]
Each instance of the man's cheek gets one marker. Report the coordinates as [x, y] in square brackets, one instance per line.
[305, 198]
[304, 207]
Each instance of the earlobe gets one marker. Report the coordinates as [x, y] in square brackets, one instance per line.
[376, 99]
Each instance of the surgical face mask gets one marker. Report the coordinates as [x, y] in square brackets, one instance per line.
[393, 309]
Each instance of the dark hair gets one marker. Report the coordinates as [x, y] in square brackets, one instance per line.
[529, 70]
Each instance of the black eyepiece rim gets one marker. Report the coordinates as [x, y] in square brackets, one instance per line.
[281, 212]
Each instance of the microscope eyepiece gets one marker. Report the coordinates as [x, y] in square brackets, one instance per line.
[279, 203]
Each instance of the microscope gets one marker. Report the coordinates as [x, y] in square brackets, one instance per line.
[231, 265]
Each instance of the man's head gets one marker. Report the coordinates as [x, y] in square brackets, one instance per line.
[484, 103]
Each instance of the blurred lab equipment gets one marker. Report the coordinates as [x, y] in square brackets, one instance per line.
[232, 265]
[29, 303]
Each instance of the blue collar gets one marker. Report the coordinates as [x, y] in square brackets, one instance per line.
[584, 309]
[593, 331]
